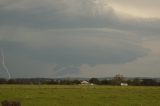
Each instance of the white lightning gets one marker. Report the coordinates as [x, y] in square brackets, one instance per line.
[4, 65]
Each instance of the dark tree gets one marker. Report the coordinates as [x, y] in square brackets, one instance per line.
[94, 81]
[3, 81]
[137, 82]
[76, 82]
[118, 79]
[149, 82]
[105, 82]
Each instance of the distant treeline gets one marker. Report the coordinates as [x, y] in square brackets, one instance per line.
[117, 80]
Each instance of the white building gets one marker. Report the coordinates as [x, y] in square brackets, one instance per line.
[84, 82]
[124, 84]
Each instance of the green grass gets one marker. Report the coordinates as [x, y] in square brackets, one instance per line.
[56, 95]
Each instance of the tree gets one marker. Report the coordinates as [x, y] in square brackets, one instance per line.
[94, 81]
[76, 82]
[3, 81]
[118, 79]
[106, 82]
[149, 82]
[136, 82]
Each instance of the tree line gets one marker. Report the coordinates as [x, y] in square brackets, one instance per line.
[116, 80]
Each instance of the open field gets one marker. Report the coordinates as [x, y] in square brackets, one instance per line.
[74, 95]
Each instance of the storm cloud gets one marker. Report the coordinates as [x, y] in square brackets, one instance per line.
[77, 38]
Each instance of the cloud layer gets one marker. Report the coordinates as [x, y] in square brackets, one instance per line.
[72, 38]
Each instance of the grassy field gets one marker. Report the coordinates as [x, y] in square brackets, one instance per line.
[56, 95]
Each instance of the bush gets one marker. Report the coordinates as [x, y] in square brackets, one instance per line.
[10, 103]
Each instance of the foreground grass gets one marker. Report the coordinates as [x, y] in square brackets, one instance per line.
[56, 95]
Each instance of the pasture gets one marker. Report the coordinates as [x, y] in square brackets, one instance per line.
[78, 95]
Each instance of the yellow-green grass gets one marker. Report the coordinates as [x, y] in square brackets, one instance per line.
[78, 95]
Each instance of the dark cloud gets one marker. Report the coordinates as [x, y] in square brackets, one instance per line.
[38, 34]
[71, 14]
[92, 56]
[79, 48]
[74, 14]
[69, 48]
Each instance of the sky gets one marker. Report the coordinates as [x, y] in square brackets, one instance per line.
[80, 38]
